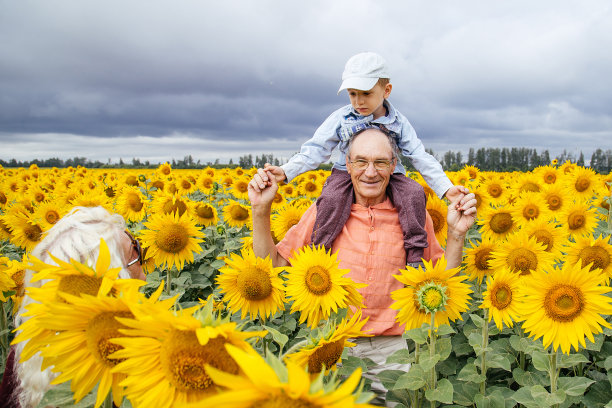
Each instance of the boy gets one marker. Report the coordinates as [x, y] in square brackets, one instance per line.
[366, 79]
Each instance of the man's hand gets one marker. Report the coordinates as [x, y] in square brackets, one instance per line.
[461, 214]
[276, 171]
[262, 189]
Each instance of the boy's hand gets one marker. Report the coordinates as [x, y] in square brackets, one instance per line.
[456, 192]
[276, 171]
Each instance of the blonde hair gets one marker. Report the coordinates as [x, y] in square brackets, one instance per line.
[76, 236]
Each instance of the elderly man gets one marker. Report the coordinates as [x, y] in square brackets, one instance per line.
[371, 242]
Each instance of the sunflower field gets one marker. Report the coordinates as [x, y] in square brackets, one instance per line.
[525, 321]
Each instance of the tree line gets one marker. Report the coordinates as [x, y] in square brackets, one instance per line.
[486, 159]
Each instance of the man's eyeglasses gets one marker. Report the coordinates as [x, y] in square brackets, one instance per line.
[379, 164]
[137, 248]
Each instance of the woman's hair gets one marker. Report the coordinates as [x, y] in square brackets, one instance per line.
[76, 236]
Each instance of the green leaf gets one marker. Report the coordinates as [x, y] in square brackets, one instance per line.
[447, 367]
[523, 396]
[595, 346]
[443, 392]
[565, 361]
[478, 321]
[217, 263]
[61, 396]
[280, 338]
[463, 393]
[475, 340]
[574, 386]
[412, 380]
[494, 400]
[469, 373]
[444, 347]
[418, 335]
[388, 378]
[428, 362]
[402, 356]
[599, 394]
[546, 399]
[461, 347]
[540, 361]
[444, 330]
[495, 360]
[608, 363]
[529, 378]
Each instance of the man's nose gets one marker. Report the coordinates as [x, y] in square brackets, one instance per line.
[370, 171]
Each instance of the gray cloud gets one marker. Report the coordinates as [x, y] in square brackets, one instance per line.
[225, 79]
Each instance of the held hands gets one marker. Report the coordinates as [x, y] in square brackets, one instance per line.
[276, 171]
[461, 211]
[262, 189]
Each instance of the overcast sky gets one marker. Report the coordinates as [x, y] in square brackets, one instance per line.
[159, 80]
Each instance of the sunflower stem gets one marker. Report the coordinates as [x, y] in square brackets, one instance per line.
[432, 352]
[169, 281]
[4, 329]
[485, 344]
[108, 401]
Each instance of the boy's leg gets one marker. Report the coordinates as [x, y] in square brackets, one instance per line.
[409, 199]
[333, 208]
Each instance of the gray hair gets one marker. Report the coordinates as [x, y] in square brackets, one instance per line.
[76, 236]
[392, 142]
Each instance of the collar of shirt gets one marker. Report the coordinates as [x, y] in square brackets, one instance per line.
[391, 121]
[385, 205]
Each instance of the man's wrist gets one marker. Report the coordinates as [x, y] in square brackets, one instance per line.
[455, 235]
[261, 210]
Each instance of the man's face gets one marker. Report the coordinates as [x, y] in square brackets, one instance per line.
[370, 183]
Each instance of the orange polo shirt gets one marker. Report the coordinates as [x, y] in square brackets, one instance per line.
[371, 245]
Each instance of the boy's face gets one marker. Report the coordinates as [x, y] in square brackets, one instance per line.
[370, 102]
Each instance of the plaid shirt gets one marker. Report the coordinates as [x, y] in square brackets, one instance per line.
[339, 128]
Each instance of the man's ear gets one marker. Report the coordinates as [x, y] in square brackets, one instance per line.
[348, 164]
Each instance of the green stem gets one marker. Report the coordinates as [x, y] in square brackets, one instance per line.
[169, 281]
[553, 373]
[108, 401]
[485, 344]
[417, 393]
[432, 352]
[4, 327]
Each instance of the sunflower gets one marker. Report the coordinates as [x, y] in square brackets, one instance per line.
[92, 198]
[581, 183]
[565, 305]
[240, 188]
[568, 167]
[555, 196]
[525, 182]
[251, 285]
[461, 177]
[437, 209]
[473, 171]
[185, 186]
[502, 297]
[164, 169]
[496, 222]
[578, 218]
[5, 231]
[132, 204]
[25, 231]
[166, 360]
[48, 213]
[548, 174]
[205, 214]
[593, 253]
[6, 282]
[411, 299]
[236, 214]
[171, 239]
[205, 182]
[477, 259]
[495, 187]
[278, 201]
[261, 385]
[317, 285]
[311, 188]
[285, 218]
[4, 200]
[528, 208]
[288, 190]
[548, 233]
[166, 203]
[80, 350]
[15, 270]
[522, 255]
[323, 352]
[480, 194]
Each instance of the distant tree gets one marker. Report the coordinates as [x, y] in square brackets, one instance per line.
[580, 160]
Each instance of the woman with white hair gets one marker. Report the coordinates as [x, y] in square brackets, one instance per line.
[76, 236]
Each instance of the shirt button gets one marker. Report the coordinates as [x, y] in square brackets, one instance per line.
[372, 253]
[371, 228]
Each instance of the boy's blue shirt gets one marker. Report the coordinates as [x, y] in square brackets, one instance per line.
[341, 125]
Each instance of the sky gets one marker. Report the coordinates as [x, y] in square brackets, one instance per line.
[159, 80]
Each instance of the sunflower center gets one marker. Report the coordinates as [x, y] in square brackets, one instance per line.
[131, 181]
[545, 238]
[100, 330]
[178, 205]
[172, 238]
[134, 202]
[501, 222]
[310, 187]
[554, 202]
[481, 259]
[242, 187]
[207, 183]
[158, 184]
[183, 359]
[595, 255]
[325, 356]
[523, 260]
[501, 296]
[79, 284]
[32, 232]
[239, 213]
[438, 220]
[563, 303]
[282, 401]
[582, 184]
[431, 297]
[531, 211]
[318, 280]
[3, 199]
[494, 190]
[39, 197]
[185, 184]
[530, 186]
[166, 170]
[278, 198]
[550, 178]
[18, 279]
[52, 216]
[254, 284]
[205, 211]
[288, 190]
[576, 220]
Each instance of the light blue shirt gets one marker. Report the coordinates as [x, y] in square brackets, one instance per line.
[339, 127]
